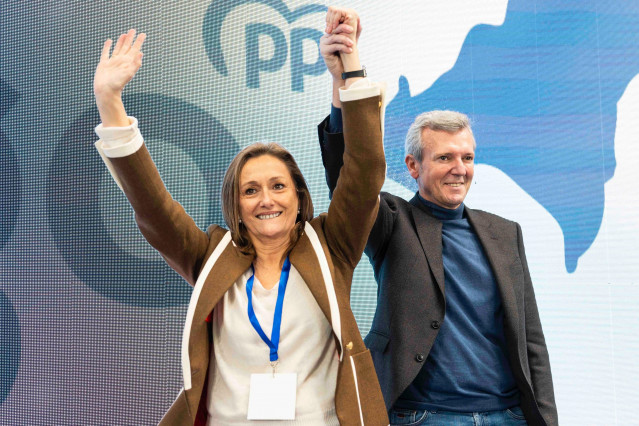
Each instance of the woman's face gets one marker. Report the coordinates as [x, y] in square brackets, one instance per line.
[268, 199]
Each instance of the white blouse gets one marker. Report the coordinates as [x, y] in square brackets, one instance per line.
[307, 347]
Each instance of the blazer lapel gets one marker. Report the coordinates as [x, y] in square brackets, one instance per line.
[501, 263]
[229, 267]
[232, 264]
[225, 270]
[429, 231]
[304, 259]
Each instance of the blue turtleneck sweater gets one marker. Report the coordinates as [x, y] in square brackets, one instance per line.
[467, 369]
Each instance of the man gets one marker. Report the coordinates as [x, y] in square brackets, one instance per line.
[456, 337]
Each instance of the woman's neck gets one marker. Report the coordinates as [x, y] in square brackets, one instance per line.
[269, 260]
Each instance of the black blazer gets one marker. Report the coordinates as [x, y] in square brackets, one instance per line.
[411, 305]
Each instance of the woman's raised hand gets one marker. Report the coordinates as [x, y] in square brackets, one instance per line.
[340, 38]
[336, 16]
[338, 46]
[114, 71]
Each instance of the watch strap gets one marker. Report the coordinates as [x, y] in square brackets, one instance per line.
[352, 74]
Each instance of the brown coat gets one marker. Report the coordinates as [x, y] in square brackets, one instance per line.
[342, 235]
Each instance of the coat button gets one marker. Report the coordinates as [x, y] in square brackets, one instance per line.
[349, 345]
[435, 324]
[419, 357]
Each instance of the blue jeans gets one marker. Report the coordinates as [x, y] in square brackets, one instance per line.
[510, 417]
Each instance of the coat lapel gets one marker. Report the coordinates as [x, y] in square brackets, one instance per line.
[232, 264]
[304, 259]
[429, 231]
[501, 261]
[229, 267]
[222, 274]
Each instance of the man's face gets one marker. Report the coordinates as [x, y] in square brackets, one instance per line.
[446, 171]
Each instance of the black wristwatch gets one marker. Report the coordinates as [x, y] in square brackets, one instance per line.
[351, 74]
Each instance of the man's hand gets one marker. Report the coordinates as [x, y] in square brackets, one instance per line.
[343, 28]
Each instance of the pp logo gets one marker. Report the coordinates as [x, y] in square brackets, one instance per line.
[217, 12]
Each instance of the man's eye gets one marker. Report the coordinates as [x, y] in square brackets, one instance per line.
[470, 158]
[443, 157]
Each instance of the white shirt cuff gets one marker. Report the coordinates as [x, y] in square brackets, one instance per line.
[361, 89]
[365, 88]
[119, 141]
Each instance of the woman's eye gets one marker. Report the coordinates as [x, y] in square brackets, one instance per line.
[278, 186]
[250, 191]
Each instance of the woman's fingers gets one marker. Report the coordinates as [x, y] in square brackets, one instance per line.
[342, 20]
[104, 56]
[115, 70]
[333, 18]
[329, 21]
[118, 45]
[126, 42]
[139, 41]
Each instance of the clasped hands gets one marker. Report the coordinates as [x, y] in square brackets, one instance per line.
[338, 46]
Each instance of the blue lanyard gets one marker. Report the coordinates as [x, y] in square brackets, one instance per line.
[274, 342]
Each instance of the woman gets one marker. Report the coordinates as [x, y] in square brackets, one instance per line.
[244, 342]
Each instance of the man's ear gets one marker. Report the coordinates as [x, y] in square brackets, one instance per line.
[412, 165]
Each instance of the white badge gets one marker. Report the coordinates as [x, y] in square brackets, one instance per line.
[272, 396]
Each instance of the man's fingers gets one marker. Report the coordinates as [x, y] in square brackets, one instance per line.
[339, 39]
[329, 45]
[104, 56]
[343, 29]
[337, 48]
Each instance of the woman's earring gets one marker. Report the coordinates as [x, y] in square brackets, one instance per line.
[240, 220]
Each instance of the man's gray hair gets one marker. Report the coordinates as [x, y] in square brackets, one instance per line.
[448, 121]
